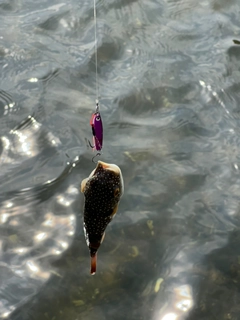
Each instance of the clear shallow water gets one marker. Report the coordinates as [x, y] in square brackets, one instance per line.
[169, 77]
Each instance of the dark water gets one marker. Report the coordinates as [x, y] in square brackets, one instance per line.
[169, 83]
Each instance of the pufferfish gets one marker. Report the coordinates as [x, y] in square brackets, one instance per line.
[102, 190]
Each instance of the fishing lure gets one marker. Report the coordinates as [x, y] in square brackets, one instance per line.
[102, 190]
[96, 121]
[97, 130]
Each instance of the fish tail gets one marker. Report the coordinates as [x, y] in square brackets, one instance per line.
[93, 264]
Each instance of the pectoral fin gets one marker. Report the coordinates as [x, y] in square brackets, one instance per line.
[83, 184]
[114, 211]
[103, 236]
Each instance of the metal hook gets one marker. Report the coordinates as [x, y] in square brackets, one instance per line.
[97, 155]
[91, 145]
[88, 144]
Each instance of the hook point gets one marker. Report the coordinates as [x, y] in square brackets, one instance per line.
[97, 155]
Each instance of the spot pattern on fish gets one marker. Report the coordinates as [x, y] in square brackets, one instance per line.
[100, 202]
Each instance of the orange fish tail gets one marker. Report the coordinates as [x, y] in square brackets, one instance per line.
[93, 264]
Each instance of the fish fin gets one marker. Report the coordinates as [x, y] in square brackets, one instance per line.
[103, 236]
[83, 184]
[93, 264]
[114, 211]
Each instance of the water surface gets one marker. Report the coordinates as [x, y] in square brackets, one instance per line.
[168, 77]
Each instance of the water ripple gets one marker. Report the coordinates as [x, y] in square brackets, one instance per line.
[169, 83]
[37, 220]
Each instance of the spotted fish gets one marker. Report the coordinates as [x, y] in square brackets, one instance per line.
[102, 190]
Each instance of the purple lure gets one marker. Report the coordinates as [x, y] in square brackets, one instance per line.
[97, 131]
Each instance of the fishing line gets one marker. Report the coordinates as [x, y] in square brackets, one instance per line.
[96, 57]
[96, 121]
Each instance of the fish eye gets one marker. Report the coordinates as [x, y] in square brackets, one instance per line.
[98, 118]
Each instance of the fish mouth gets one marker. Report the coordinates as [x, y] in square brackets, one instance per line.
[109, 166]
[106, 166]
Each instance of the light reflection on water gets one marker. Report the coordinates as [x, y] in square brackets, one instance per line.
[168, 77]
[35, 225]
[181, 303]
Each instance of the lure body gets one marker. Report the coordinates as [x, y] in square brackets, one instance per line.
[97, 131]
[102, 190]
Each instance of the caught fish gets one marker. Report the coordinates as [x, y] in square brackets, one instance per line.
[102, 190]
[97, 130]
